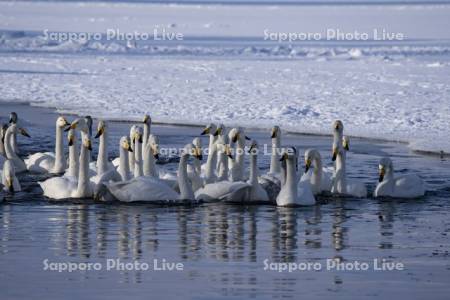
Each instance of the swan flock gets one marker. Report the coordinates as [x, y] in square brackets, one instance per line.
[138, 174]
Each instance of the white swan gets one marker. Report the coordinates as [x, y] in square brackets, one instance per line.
[341, 184]
[72, 170]
[19, 164]
[211, 161]
[271, 182]
[137, 148]
[2, 141]
[9, 179]
[103, 165]
[319, 177]
[50, 162]
[124, 166]
[195, 170]
[131, 155]
[237, 137]
[151, 154]
[403, 186]
[292, 192]
[65, 187]
[147, 131]
[223, 190]
[257, 193]
[150, 189]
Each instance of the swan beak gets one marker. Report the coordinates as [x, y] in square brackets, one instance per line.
[10, 185]
[346, 146]
[228, 151]
[71, 141]
[99, 132]
[284, 157]
[307, 165]
[252, 148]
[128, 147]
[273, 134]
[382, 172]
[72, 126]
[24, 132]
[146, 118]
[66, 123]
[89, 145]
[235, 138]
[198, 153]
[247, 138]
[218, 131]
[205, 131]
[335, 152]
[156, 155]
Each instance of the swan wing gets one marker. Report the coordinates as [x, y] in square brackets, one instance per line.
[305, 195]
[409, 186]
[223, 190]
[41, 162]
[58, 187]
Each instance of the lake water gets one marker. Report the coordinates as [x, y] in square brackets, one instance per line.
[223, 248]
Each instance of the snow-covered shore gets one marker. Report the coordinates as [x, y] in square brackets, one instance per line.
[225, 72]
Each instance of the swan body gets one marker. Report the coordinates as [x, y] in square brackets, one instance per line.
[403, 186]
[50, 162]
[292, 192]
[65, 187]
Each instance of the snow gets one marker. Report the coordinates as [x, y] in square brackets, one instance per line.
[225, 72]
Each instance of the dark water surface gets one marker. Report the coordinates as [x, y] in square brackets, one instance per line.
[223, 247]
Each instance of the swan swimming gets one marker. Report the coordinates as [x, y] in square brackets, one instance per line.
[12, 131]
[292, 192]
[319, 177]
[150, 189]
[50, 162]
[403, 186]
[65, 187]
[103, 165]
[72, 170]
[9, 180]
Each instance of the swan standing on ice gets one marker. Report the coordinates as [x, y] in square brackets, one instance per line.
[404, 186]
[9, 180]
[12, 131]
[150, 189]
[319, 177]
[292, 192]
[50, 162]
[65, 187]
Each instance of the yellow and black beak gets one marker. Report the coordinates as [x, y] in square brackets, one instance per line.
[335, 153]
[307, 165]
[128, 147]
[228, 151]
[71, 126]
[273, 134]
[284, 157]
[198, 153]
[247, 138]
[207, 130]
[235, 138]
[146, 117]
[382, 172]
[71, 140]
[100, 132]
[10, 185]
[218, 131]
[89, 145]
[24, 132]
[346, 146]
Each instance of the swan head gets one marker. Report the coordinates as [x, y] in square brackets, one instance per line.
[13, 118]
[197, 142]
[276, 132]
[61, 122]
[101, 128]
[137, 135]
[253, 148]
[290, 154]
[125, 143]
[220, 130]
[14, 129]
[236, 134]
[209, 129]
[147, 120]
[338, 126]
[87, 142]
[153, 144]
[80, 124]
[9, 174]
[346, 143]
[71, 137]
[310, 156]
[384, 166]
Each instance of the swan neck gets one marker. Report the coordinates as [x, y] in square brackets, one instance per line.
[73, 160]
[10, 153]
[253, 169]
[149, 163]
[186, 192]
[60, 161]
[83, 175]
[275, 164]
[138, 159]
[102, 159]
[124, 167]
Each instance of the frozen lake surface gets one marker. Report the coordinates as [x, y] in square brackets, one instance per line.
[223, 247]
